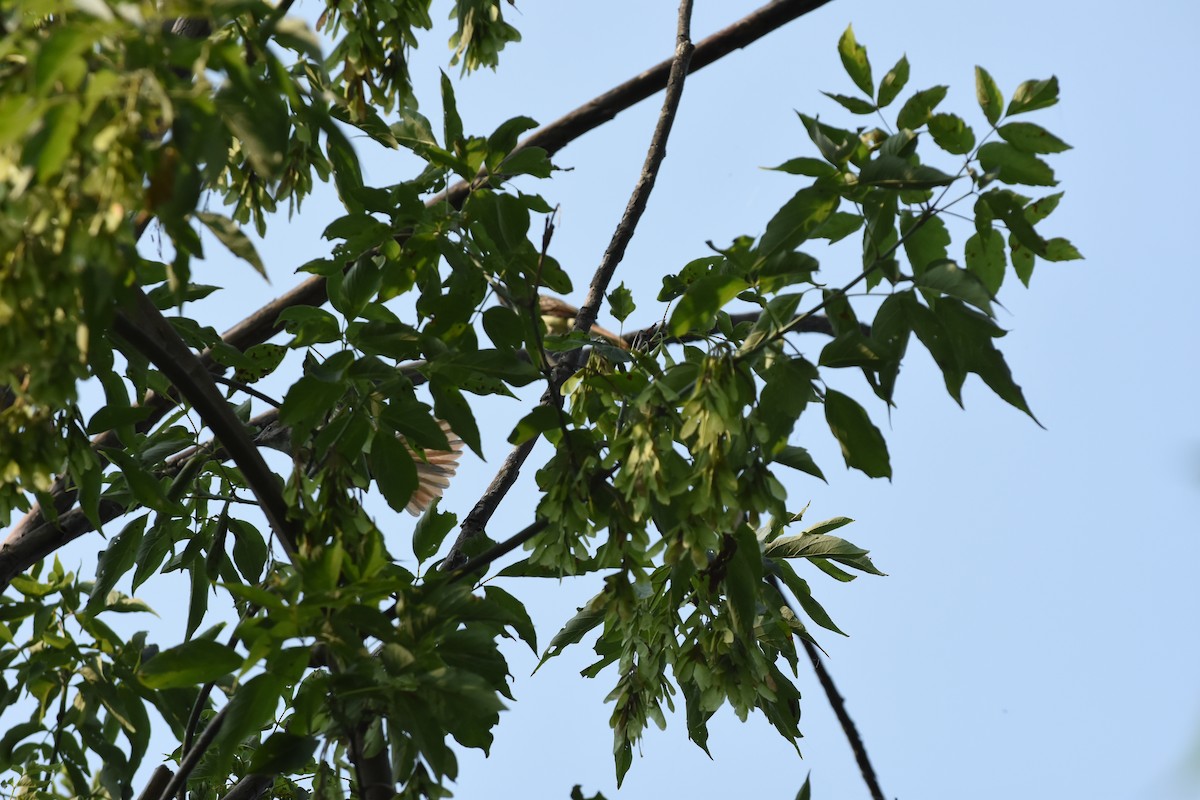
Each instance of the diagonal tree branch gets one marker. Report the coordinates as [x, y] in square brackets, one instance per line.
[144, 326]
[838, 704]
[645, 185]
[477, 520]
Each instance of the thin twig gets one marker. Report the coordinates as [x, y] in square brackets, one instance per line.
[475, 522]
[192, 757]
[153, 336]
[499, 550]
[645, 185]
[838, 704]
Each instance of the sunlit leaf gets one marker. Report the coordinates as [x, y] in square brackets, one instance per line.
[988, 95]
[854, 59]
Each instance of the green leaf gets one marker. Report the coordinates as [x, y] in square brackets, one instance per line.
[503, 326]
[195, 662]
[854, 59]
[514, 614]
[394, 470]
[851, 349]
[504, 139]
[1038, 210]
[528, 161]
[862, 444]
[620, 303]
[822, 546]
[230, 234]
[988, 95]
[350, 292]
[971, 334]
[1032, 95]
[1031, 138]
[260, 361]
[198, 598]
[1058, 249]
[787, 390]
[743, 577]
[796, 221]
[534, 424]
[258, 116]
[49, 148]
[839, 225]
[812, 167]
[117, 559]
[926, 243]
[701, 302]
[799, 459]
[1010, 208]
[309, 325]
[836, 145]
[145, 488]
[892, 83]
[893, 172]
[917, 109]
[1022, 259]
[854, 105]
[803, 594]
[949, 279]
[951, 133]
[578, 626]
[309, 399]
[250, 709]
[430, 532]
[249, 549]
[1015, 166]
[452, 122]
[984, 254]
[283, 753]
[805, 792]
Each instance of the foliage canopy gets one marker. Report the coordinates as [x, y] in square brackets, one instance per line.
[342, 663]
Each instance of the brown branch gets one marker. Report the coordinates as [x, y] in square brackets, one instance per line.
[144, 326]
[251, 787]
[158, 781]
[601, 109]
[475, 522]
[372, 773]
[657, 151]
[496, 551]
[838, 704]
[192, 757]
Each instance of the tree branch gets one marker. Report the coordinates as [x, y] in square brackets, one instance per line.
[645, 185]
[147, 329]
[372, 773]
[192, 757]
[838, 704]
[475, 522]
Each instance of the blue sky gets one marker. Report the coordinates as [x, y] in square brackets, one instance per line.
[1036, 636]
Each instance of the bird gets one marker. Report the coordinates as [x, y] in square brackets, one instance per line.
[435, 468]
[559, 316]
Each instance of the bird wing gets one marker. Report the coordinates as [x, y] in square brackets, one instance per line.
[435, 468]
